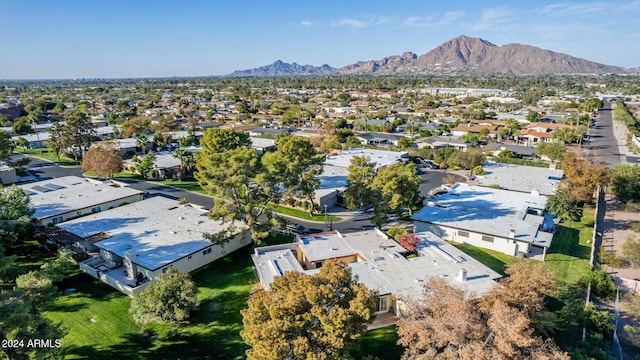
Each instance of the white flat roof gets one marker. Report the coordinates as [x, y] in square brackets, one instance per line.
[153, 232]
[381, 265]
[70, 193]
[489, 211]
[333, 177]
[257, 142]
[380, 157]
[324, 246]
[520, 178]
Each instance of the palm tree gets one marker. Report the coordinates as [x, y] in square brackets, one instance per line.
[142, 142]
[186, 160]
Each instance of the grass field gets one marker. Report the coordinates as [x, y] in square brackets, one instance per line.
[495, 260]
[301, 214]
[48, 155]
[99, 325]
[570, 250]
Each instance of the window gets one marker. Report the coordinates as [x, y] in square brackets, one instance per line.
[463, 233]
[95, 210]
[208, 251]
[487, 238]
[189, 257]
[57, 220]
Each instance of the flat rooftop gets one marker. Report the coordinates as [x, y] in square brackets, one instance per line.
[333, 177]
[490, 211]
[324, 246]
[71, 193]
[380, 157]
[381, 265]
[154, 232]
[520, 178]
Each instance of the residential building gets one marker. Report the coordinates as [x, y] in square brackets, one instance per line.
[519, 151]
[7, 174]
[510, 222]
[379, 263]
[335, 171]
[61, 199]
[521, 178]
[132, 245]
[436, 142]
[379, 138]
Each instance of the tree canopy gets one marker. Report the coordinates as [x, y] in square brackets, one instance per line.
[15, 203]
[626, 182]
[102, 159]
[448, 324]
[169, 298]
[308, 317]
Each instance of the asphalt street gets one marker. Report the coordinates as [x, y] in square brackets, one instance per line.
[604, 147]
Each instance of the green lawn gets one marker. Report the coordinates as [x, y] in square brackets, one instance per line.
[189, 185]
[495, 260]
[568, 257]
[301, 214]
[100, 327]
[380, 343]
[46, 154]
[570, 250]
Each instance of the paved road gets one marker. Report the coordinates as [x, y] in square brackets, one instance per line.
[603, 147]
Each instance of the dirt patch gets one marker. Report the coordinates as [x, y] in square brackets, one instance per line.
[617, 228]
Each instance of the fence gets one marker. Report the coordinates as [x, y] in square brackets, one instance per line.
[598, 227]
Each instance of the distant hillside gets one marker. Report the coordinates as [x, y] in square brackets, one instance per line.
[280, 68]
[473, 55]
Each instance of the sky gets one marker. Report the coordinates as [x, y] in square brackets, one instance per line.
[65, 39]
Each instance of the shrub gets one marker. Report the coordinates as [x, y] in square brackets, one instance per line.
[478, 170]
[601, 283]
[409, 241]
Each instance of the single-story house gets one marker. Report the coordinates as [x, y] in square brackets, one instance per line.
[521, 178]
[379, 263]
[510, 222]
[436, 142]
[333, 178]
[379, 138]
[519, 151]
[134, 244]
[61, 199]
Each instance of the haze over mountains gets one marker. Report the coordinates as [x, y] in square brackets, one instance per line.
[460, 55]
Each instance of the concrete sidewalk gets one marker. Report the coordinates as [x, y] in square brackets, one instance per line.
[621, 133]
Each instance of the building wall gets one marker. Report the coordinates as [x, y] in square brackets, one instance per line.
[8, 176]
[58, 218]
[203, 257]
[503, 245]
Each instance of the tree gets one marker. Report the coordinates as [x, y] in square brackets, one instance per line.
[136, 125]
[187, 160]
[583, 178]
[446, 324]
[395, 188]
[102, 159]
[22, 142]
[142, 142]
[218, 140]
[533, 116]
[295, 165]
[21, 126]
[308, 317]
[22, 309]
[626, 182]
[15, 203]
[358, 192]
[74, 137]
[6, 146]
[553, 150]
[564, 205]
[145, 164]
[467, 159]
[169, 298]
[237, 180]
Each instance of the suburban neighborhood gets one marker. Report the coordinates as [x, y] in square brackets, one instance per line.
[478, 201]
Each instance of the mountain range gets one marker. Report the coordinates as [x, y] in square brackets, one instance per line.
[460, 55]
